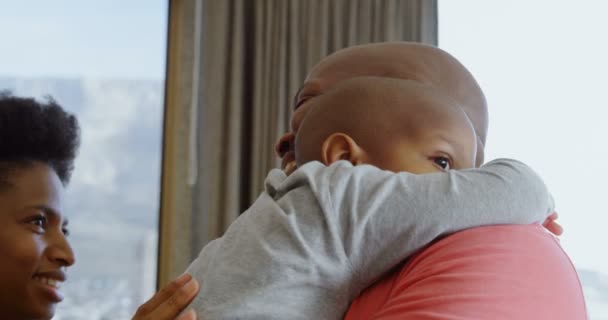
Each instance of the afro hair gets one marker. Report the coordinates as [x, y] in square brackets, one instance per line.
[32, 131]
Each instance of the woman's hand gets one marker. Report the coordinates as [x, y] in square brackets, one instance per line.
[170, 301]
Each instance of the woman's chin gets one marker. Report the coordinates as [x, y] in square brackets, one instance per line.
[42, 311]
[39, 303]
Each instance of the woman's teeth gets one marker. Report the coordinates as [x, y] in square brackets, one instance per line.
[49, 282]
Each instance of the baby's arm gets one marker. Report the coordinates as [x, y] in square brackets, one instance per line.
[385, 217]
[312, 241]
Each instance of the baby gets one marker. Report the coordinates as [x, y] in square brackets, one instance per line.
[386, 166]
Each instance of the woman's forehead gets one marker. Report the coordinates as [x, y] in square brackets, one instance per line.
[35, 185]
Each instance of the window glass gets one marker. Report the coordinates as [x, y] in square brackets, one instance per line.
[542, 65]
[105, 62]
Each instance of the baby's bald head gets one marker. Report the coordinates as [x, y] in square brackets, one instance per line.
[390, 120]
[425, 64]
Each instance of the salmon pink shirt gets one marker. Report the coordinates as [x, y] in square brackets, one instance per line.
[496, 272]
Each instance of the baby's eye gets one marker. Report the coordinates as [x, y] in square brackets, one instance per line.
[443, 163]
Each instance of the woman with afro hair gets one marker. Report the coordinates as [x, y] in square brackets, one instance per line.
[38, 144]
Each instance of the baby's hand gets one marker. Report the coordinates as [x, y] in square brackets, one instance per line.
[551, 225]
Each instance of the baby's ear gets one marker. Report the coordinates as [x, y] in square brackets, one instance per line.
[340, 146]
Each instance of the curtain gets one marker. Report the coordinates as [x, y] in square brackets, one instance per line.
[245, 62]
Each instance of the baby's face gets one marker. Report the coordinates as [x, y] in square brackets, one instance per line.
[430, 149]
[431, 135]
[400, 125]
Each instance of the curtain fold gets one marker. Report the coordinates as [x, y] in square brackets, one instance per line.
[254, 57]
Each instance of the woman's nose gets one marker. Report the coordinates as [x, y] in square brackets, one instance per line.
[61, 252]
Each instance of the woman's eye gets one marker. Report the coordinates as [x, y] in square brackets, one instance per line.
[65, 231]
[443, 163]
[39, 221]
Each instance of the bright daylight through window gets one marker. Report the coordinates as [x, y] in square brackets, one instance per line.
[105, 62]
[542, 65]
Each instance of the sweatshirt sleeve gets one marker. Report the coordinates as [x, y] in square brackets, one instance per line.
[384, 217]
[314, 240]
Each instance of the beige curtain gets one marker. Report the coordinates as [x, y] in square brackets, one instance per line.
[253, 57]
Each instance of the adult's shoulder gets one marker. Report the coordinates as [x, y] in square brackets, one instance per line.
[494, 272]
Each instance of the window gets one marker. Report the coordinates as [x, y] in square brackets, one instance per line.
[105, 62]
[542, 65]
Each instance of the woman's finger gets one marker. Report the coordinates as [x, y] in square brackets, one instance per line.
[176, 303]
[161, 296]
[188, 315]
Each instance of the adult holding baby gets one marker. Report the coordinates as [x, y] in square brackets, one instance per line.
[498, 272]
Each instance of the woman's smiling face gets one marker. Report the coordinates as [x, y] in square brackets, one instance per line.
[34, 249]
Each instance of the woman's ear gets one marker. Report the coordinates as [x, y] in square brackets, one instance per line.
[340, 146]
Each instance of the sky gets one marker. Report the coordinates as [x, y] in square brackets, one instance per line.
[542, 65]
[74, 38]
[104, 61]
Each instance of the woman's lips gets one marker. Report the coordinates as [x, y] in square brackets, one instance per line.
[50, 287]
